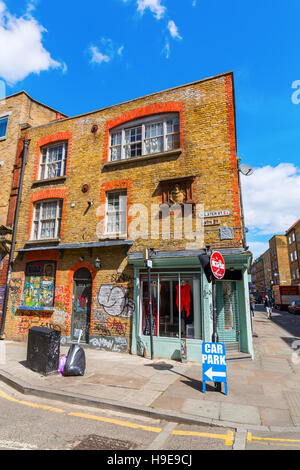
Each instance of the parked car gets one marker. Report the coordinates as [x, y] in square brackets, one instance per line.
[294, 307]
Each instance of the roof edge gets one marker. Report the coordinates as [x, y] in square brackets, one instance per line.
[35, 101]
[214, 77]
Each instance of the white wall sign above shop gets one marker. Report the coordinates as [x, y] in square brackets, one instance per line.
[221, 213]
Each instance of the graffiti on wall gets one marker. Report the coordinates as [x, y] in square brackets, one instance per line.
[15, 294]
[28, 319]
[39, 284]
[115, 301]
[111, 318]
[2, 294]
[115, 344]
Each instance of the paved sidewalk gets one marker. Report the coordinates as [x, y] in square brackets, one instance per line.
[264, 392]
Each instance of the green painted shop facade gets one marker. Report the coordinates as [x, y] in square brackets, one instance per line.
[182, 304]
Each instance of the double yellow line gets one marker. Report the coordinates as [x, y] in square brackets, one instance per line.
[227, 438]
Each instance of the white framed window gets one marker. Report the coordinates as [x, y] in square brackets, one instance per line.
[293, 236]
[295, 255]
[155, 134]
[116, 213]
[291, 256]
[53, 160]
[46, 222]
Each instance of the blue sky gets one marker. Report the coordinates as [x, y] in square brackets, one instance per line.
[78, 57]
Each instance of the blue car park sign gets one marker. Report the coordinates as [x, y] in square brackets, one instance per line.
[214, 367]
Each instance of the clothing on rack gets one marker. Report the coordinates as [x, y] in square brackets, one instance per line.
[185, 298]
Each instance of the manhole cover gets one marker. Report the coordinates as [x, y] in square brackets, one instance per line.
[94, 442]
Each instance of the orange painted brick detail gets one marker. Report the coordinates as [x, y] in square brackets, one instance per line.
[170, 107]
[50, 255]
[79, 265]
[43, 195]
[51, 139]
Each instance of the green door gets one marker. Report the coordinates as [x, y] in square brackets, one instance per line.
[227, 307]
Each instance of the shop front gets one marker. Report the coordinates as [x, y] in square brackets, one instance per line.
[182, 305]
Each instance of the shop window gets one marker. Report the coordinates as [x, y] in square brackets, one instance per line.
[39, 287]
[116, 213]
[47, 220]
[151, 135]
[3, 127]
[175, 305]
[53, 161]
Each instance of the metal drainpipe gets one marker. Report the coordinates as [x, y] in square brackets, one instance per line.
[13, 243]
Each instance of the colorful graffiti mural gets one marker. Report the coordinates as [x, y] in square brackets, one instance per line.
[39, 286]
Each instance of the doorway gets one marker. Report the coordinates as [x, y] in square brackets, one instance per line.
[81, 309]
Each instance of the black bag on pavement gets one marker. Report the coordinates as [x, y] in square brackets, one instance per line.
[75, 364]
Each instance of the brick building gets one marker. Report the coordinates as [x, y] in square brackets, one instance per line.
[293, 243]
[261, 274]
[280, 260]
[17, 112]
[98, 189]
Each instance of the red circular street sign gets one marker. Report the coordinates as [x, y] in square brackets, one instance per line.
[217, 265]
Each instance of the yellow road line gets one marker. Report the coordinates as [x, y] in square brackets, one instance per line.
[33, 405]
[81, 415]
[228, 438]
[281, 444]
[116, 421]
[250, 438]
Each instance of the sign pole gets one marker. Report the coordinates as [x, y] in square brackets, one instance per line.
[215, 337]
[148, 264]
[150, 308]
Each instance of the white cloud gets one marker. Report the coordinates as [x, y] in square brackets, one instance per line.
[155, 7]
[22, 51]
[257, 248]
[105, 52]
[271, 199]
[194, 3]
[166, 50]
[173, 30]
[97, 56]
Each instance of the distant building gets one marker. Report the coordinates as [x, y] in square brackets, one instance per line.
[280, 267]
[261, 274]
[293, 243]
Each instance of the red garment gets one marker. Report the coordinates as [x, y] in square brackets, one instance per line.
[185, 298]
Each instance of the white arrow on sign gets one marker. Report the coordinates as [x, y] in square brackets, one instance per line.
[212, 374]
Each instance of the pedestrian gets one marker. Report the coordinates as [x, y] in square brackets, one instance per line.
[268, 306]
[252, 306]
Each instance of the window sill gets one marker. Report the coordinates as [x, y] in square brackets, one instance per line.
[36, 309]
[43, 242]
[144, 158]
[3, 138]
[57, 179]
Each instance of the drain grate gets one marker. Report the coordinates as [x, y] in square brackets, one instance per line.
[94, 442]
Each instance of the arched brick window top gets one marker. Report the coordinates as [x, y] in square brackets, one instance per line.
[145, 131]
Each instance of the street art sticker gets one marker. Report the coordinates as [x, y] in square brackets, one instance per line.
[60, 318]
[115, 301]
